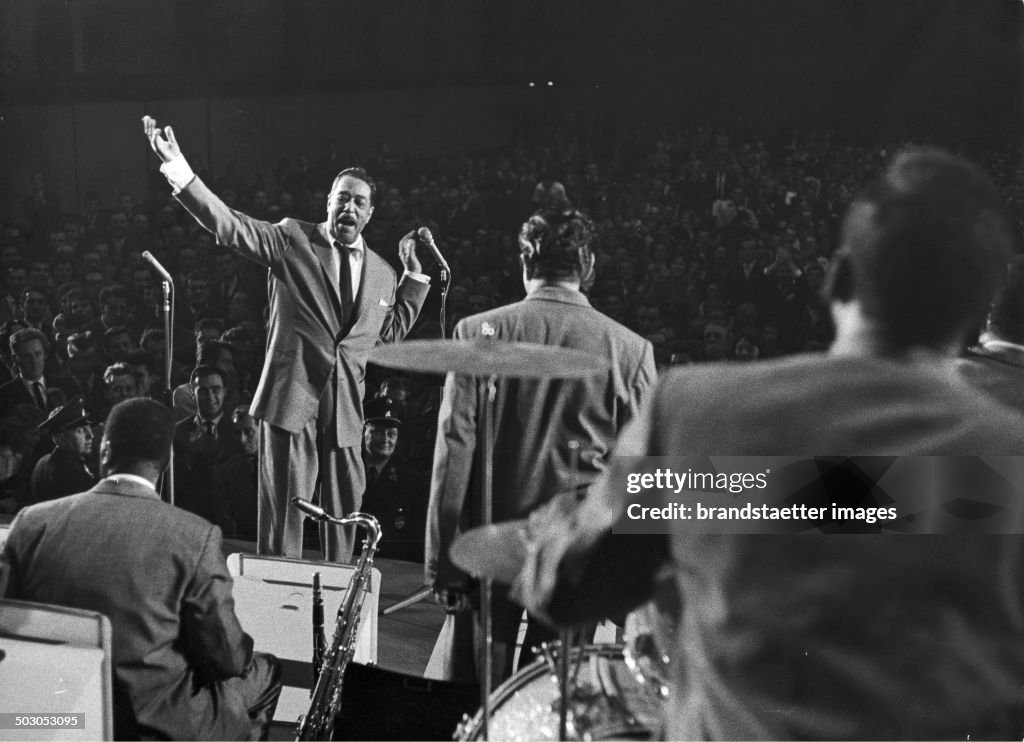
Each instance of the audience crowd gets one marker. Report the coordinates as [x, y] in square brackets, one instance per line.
[713, 246]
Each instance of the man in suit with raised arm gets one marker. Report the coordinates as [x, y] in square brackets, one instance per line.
[331, 301]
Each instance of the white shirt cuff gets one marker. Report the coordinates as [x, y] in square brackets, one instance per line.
[421, 277]
[178, 173]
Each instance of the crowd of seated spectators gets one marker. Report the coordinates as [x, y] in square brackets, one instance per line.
[713, 246]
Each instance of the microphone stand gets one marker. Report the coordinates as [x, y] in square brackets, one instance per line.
[168, 288]
[424, 592]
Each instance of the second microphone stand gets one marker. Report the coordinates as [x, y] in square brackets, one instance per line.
[168, 288]
[424, 592]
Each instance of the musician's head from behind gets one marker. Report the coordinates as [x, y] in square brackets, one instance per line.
[923, 252]
[554, 247]
[137, 439]
[350, 205]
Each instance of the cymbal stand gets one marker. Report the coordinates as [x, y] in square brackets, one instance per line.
[485, 424]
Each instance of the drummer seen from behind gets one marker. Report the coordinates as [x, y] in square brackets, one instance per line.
[550, 436]
[835, 636]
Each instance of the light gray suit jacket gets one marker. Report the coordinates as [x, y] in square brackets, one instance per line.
[534, 420]
[309, 334]
[158, 573]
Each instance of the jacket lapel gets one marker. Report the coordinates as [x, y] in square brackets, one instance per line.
[328, 258]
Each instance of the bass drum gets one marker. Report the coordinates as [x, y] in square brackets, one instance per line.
[606, 702]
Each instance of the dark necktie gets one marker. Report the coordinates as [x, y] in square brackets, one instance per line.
[39, 395]
[210, 429]
[345, 282]
[371, 476]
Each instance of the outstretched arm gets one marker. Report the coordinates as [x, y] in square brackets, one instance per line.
[258, 241]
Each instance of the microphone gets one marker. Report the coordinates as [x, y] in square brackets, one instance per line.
[428, 239]
[148, 257]
[313, 511]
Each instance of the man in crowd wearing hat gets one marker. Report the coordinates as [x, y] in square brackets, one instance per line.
[396, 493]
[65, 470]
[183, 668]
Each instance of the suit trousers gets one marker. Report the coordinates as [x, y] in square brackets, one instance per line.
[308, 464]
[258, 690]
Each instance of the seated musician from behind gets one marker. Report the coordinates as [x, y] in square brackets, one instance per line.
[183, 667]
[852, 635]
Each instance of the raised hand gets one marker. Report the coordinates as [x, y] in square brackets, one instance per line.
[407, 253]
[161, 140]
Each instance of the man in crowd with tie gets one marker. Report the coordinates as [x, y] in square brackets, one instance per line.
[201, 443]
[65, 470]
[29, 348]
[331, 301]
[234, 479]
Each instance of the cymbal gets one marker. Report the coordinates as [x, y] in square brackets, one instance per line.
[497, 551]
[482, 357]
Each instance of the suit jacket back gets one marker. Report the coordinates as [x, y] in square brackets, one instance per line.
[159, 574]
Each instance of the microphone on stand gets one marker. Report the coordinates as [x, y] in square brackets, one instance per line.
[149, 258]
[428, 239]
[168, 477]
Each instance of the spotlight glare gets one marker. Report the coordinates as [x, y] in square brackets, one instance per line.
[532, 84]
[550, 84]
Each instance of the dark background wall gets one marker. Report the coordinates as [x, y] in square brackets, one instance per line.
[252, 80]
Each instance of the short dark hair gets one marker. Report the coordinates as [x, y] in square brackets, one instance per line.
[113, 291]
[113, 332]
[200, 371]
[551, 241]
[139, 358]
[208, 351]
[359, 174]
[27, 335]
[209, 323]
[924, 249]
[139, 430]
[120, 368]
[81, 341]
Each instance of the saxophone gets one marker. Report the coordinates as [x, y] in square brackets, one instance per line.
[318, 722]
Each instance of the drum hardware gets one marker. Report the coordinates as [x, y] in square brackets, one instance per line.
[648, 665]
[488, 359]
[606, 702]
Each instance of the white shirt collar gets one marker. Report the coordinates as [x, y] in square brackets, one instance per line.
[132, 478]
[359, 246]
[30, 384]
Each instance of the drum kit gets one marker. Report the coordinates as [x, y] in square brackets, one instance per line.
[587, 692]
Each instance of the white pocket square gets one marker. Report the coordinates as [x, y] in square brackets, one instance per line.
[381, 302]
